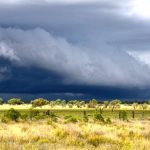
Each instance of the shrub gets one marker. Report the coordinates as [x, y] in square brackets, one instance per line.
[12, 114]
[123, 115]
[32, 113]
[15, 101]
[98, 117]
[106, 103]
[39, 102]
[115, 104]
[39, 116]
[108, 121]
[24, 116]
[92, 103]
[52, 116]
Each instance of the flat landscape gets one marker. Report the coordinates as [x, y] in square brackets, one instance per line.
[74, 74]
[88, 126]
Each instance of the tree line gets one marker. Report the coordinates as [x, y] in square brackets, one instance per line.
[113, 104]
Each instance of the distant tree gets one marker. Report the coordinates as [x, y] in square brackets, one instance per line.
[15, 101]
[71, 102]
[148, 102]
[39, 102]
[52, 103]
[106, 104]
[92, 103]
[70, 105]
[115, 104]
[1, 101]
[76, 103]
[63, 103]
[82, 103]
[58, 102]
[135, 105]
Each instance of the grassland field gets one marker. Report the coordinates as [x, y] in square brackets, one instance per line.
[46, 134]
[78, 112]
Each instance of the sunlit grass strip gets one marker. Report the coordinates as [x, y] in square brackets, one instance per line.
[90, 136]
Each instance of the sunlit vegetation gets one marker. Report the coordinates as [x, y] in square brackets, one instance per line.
[74, 125]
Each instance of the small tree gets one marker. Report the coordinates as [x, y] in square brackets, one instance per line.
[106, 104]
[123, 115]
[32, 113]
[63, 103]
[58, 102]
[15, 101]
[115, 104]
[52, 103]
[1, 101]
[92, 103]
[39, 102]
[98, 117]
[12, 114]
[81, 104]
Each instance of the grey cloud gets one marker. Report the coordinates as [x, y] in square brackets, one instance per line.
[105, 66]
[83, 22]
[84, 42]
[7, 52]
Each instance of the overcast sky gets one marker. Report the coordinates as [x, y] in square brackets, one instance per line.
[75, 48]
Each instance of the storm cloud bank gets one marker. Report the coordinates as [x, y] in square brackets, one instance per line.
[78, 65]
[81, 47]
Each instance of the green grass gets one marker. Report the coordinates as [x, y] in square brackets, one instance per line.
[78, 113]
[106, 113]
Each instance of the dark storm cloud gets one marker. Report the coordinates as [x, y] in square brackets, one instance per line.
[73, 47]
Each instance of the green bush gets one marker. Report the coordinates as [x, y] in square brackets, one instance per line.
[40, 116]
[15, 101]
[98, 117]
[51, 115]
[123, 115]
[39, 102]
[12, 114]
[108, 121]
[24, 116]
[92, 103]
[32, 113]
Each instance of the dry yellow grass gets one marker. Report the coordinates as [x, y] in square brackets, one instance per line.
[47, 135]
[27, 106]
